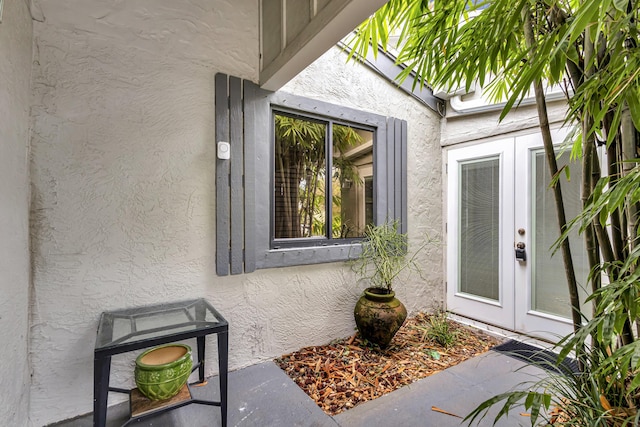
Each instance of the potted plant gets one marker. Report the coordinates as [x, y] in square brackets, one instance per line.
[378, 313]
[162, 371]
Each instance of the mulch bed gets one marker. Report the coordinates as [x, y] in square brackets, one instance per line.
[347, 372]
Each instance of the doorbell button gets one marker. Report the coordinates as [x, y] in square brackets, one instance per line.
[224, 150]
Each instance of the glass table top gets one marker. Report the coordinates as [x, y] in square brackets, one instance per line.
[134, 325]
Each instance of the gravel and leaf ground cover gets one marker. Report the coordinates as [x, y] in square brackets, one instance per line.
[349, 371]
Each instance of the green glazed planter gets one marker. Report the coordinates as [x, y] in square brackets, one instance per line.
[379, 316]
[161, 371]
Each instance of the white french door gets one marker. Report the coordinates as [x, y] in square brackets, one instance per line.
[479, 262]
[499, 201]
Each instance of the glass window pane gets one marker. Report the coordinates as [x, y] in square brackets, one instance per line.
[549, 293]
[479, 204]
[368, 200]
[300, 177]
[352, 181]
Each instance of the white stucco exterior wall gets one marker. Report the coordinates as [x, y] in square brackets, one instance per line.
[15, 72]
[331, 79]
[473, 127]
[123, 214]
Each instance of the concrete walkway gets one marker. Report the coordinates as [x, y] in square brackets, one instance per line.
[263, 395]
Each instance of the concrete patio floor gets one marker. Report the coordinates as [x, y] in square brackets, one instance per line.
[263, 395]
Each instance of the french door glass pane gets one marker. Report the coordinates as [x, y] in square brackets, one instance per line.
[479, 217]
[549, 292]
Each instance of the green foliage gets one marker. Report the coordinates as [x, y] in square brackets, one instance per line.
[440, 331]
[300, 155]
[566, 398]
[383, 256]
[455, 43]
[590, 49]
[607, 391]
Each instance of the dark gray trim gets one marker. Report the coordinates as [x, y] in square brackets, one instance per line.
[289, 257]
[380, 175]
[404, 184]
[222, 177]
[399, 187]
[236, 122]
[390, 175]
[236, 137]
[267, 257]
[396, 163]
[243, 206]
[397, 169]
[252, 127]
[319, 108]
[262, 176]
[329, 121]
[385, 64]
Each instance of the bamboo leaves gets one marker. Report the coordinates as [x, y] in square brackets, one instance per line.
[301, 171]
[589, 48]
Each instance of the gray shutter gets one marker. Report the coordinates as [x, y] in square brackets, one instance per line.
[243, 118]
[393, 173]
[223, 205]
[400, 172]
[235, 177]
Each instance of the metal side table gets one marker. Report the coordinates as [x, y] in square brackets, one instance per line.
[132, 329]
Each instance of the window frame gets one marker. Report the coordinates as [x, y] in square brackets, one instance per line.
[339, 250]
[243, 117]
[327, 239]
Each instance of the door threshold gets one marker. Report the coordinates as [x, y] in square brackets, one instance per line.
[502, 333]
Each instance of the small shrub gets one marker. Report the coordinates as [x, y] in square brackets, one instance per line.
[440, 330]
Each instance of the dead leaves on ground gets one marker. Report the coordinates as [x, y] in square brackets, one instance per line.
[346, 372]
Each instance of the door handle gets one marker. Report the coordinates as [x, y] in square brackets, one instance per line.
[521, 254]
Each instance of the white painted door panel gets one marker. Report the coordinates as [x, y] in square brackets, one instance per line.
[499, 196]
[479, 266]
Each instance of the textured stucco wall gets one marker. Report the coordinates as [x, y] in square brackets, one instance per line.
[461, 128]
[15, 71]
[332, 80]
[123, 211]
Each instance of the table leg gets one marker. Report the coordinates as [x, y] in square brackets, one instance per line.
[101, 372]
[201, 347]
[223, 366]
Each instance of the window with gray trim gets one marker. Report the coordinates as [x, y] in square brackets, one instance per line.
[320, 166]
[359, 158]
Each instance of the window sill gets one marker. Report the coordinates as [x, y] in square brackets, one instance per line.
[288, 257]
